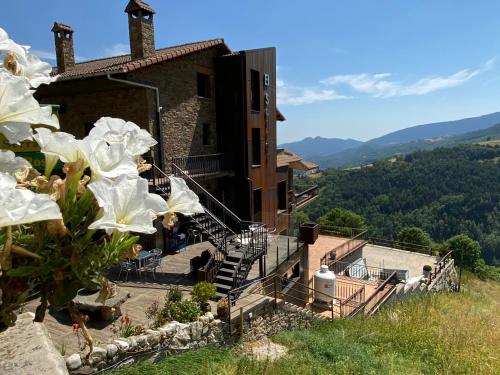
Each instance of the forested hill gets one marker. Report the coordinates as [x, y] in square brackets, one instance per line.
[446, 191]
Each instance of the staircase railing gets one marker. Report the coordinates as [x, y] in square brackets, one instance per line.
[212, 267]
[250, 235]
[199, 165]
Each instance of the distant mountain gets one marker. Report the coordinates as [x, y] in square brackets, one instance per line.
[438, 129]
[369, 152]
[317, 147]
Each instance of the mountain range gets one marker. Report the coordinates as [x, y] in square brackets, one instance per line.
[342, 153]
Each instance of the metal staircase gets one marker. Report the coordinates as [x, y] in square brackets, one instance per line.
[238, 243]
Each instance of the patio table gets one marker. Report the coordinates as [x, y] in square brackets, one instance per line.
[142, 258]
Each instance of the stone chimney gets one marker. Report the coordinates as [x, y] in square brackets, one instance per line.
[65, 53]
[141, 29]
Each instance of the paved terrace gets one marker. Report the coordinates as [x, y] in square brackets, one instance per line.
[390, 258]
[175, 271]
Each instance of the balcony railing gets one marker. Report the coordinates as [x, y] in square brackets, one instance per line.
[305, 194]
[204, 165]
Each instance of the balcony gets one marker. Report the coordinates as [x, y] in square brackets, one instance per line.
[213, 165]
[305, 194]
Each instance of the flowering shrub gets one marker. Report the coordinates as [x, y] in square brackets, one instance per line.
[203, 291]
[125, 328]
[60, 233]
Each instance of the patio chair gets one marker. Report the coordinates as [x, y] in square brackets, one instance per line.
[128, 266]
[193, 234]
[152, 264]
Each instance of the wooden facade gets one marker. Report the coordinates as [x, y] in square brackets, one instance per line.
[246, 127]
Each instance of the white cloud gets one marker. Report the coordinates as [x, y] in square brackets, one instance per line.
[298, 95]
[381, 86]
[117, 50]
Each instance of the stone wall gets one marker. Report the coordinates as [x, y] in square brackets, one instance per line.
[171, 338]
[27, 349]
[286, 317]
[446, 280]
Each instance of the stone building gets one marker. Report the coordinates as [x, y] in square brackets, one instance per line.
[212, 110]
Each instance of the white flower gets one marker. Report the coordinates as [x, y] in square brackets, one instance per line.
[22, 63]
[19, 109]
[109, 161]
[10, 163]
[35, 71]
[7, 44]
[59, 145]
[21, 206]
[126, 204]
[182, 200]
[137, 141]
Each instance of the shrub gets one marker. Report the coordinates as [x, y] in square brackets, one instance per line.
[182, 311]
[203, 291]
[126, 328]
[427, 268]
[174, 295]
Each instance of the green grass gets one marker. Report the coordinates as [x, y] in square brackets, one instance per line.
[448, 333]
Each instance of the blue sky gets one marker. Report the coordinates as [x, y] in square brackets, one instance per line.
[346, 68]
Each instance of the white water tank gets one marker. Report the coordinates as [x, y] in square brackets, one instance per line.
[324, 285]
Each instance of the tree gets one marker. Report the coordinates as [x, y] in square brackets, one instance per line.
[414, 236]
[467, 252]
[299, 217]
[339, 217]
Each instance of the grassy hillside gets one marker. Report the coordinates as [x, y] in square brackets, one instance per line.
[449, 333]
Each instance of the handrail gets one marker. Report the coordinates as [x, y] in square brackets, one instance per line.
[358, 270]
[439, 266]
[375, 293]
[193, 182]
[400, 245]
[348, 243]
[204, 164]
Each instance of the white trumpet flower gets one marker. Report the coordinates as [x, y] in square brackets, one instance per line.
[182, 199]
[109, 161]
[127, 205]
[10, 163]
[19, 109]
[59, 145]
[7, 44]
[21, 206]
[137, 141]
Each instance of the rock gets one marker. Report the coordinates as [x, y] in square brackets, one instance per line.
[111, 350]
[26, 348]
[132, 343]
[74, 361]
[210, 316]
[153, 337]
[98, 355]
[141, 340]
[196, 329]
[122, 345]
[204, 320]
[169, 328]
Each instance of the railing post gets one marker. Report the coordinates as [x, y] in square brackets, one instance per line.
[229, 313]
[275, 293]
[241, 321]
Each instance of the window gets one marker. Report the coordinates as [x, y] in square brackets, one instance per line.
[281, 195]
[203, 84]
[255, 89]
[255, 146]
[257, 204]
[206, 134]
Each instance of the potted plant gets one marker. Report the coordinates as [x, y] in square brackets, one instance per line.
[202, 292]
[309, 233]
[427, 271]
[223, 308]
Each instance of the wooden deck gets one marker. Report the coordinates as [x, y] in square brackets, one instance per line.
[143, 292]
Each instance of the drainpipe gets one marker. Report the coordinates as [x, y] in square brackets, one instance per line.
[159, 130]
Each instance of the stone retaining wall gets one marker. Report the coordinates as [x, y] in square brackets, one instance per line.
[173, 337]
[286, 317]
[446, 280]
